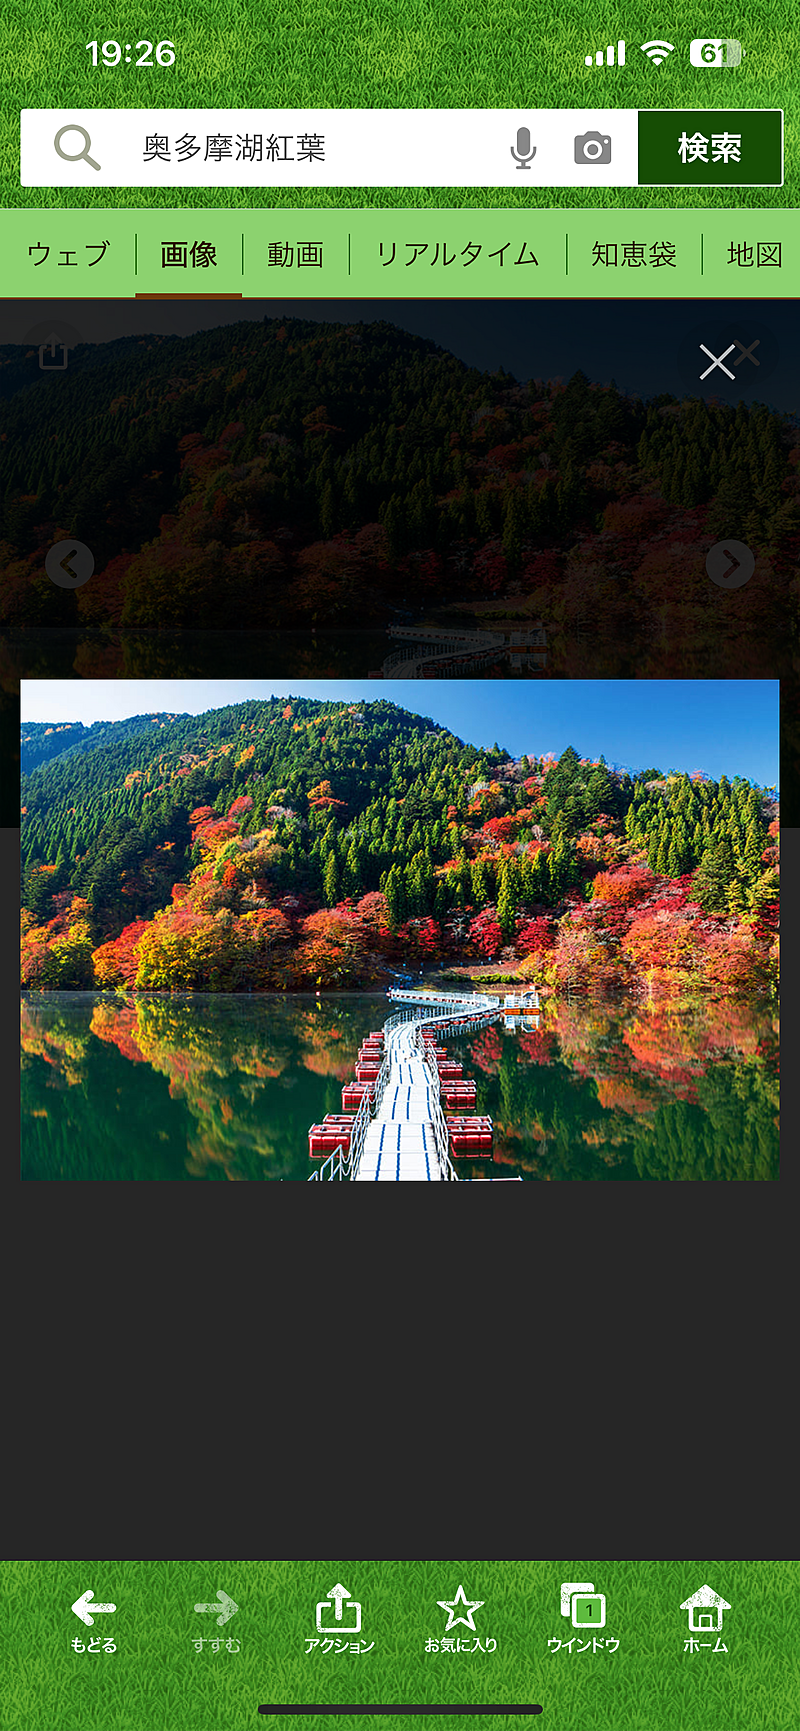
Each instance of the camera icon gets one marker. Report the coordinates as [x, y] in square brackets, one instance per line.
[593, 147]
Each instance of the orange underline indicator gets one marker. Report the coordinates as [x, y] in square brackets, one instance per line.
[142, 297]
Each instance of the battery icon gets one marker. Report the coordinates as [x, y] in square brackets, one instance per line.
[711, 51]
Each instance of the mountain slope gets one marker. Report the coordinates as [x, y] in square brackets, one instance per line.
[268, 810]
[42, 741]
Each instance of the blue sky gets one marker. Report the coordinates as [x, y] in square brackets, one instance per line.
[724, 725]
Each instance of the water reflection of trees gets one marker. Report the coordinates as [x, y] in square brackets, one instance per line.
[217, 1093]
[682, 1090]
[177, 1088]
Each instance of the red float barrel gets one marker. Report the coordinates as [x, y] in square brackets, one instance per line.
[323, 1139]
[341, 1126]
[458, 1093]
[353, 1094]
[471, 1136]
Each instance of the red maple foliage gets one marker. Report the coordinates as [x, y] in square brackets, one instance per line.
[485, 933]
[116, 963]
[533, 936]
[626, 886]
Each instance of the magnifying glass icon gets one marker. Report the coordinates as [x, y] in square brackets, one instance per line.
[83, 155]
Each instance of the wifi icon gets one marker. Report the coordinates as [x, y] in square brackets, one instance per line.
[658, 51]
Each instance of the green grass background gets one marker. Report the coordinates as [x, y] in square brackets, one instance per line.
[384, 54]
[156, 1681]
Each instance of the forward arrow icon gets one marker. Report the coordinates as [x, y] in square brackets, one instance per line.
[226, 1605]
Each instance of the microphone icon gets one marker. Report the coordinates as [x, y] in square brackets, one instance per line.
[525, 151]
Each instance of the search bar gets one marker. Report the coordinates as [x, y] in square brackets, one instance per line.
[301, 148]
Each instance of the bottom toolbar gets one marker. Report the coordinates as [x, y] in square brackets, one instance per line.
[596, 1645]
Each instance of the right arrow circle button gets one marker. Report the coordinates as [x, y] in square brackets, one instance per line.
[730, 564]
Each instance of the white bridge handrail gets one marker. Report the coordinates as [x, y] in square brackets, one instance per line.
[459, 1012]
[447, 1000]
[440, 1130]
[342, 1162]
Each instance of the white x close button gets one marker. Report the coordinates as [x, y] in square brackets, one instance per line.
[717, 360]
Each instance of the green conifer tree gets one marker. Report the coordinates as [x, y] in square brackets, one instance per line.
[674, 858]
[713, 876]
[351, 877]
[753, 849]
[330, 880]
[394, 891]
[478, 885]
[507, 903]
[441, 904]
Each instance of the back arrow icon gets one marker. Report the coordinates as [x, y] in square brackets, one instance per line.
[65, 564]
[225, 1604]
[81, 1608]
[69, 564]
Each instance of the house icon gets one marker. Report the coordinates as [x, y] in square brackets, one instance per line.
[705, 1609]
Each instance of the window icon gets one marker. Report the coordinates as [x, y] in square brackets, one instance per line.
[585, 1608]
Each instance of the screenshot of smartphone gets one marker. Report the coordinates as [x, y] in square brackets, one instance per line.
[294, 1646]
[400, 498]
[400, 482]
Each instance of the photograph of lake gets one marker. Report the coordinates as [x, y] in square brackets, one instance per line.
[460, 929]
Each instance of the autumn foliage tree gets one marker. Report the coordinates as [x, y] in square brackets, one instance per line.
[319, 842]
[624, 887]
[116, 963]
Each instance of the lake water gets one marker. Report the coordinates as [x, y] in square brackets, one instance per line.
[209, 1087]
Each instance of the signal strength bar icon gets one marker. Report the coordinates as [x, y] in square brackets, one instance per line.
[658, 51]
[607, 57]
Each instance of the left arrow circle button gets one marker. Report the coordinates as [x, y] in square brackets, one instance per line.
[69, 564]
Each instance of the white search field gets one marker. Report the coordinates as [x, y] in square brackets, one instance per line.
[295, 147]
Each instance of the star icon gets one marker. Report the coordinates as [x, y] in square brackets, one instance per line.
[469, 1605]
